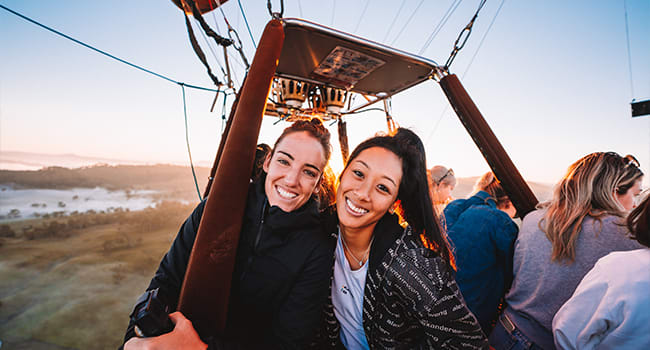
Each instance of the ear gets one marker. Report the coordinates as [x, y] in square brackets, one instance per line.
[267, 162]
[320, 181]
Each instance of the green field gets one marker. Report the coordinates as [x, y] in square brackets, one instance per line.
[71, 282]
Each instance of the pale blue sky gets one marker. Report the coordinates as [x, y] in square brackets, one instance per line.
[552, 78]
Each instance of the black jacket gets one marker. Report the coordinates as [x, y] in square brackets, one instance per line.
[411, 300]
[280, 280]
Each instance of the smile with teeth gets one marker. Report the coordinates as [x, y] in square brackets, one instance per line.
[354, 208]
[284, 194]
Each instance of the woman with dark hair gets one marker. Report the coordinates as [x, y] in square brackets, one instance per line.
[483, 235]
[283, 261]
[560, 242]
[610, 309]
[393, 287]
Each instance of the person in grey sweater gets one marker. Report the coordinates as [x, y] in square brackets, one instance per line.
[560, 242]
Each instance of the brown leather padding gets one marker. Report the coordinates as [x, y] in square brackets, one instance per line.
[206, 288]
[513, 183]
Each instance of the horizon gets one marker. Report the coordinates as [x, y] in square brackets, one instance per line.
[552, 80]
[78, 164]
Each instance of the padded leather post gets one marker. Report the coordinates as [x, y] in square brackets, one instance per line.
[206, 288]
[513, 183]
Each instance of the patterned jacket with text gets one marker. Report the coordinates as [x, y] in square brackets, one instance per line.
[411, 300]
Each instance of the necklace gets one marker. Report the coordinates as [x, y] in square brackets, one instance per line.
[365, 254]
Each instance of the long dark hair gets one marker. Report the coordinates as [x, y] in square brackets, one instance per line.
[413, 193]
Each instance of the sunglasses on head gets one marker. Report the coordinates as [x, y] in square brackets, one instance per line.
[449, 172]
[631, 160]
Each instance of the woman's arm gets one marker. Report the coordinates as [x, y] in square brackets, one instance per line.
[584, 319]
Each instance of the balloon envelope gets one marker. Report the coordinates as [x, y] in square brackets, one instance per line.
[203, 5]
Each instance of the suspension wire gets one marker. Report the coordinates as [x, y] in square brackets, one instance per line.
[333, 12]
[450, 11]
[104, 52]
[225, 57]
[483, 39]
[198, 51]
[223, 114]
[275, 14]
[237, 44]
[462, 35]
[629, 52]
[300, 9]
[363, 13]
[214, 54]
[187, 141]
[394, 20]
[204, 25]
[247, 26]
[407, 23]
[467, 69]
[216, 23]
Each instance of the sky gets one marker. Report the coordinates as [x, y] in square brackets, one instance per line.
[552, 78]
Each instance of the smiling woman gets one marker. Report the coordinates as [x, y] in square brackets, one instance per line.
[382, 270]
[283, 261]
[294, 169]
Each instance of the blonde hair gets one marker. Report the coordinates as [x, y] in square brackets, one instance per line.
[489, 183]
[587, 188]
[439, 174]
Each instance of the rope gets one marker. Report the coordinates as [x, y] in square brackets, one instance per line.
[363, 13]
[246, 21]
[440, 24]
[629, 52]
[104, 52]
[392, 24]
[187, 141]
[467, 69]
[407, 23]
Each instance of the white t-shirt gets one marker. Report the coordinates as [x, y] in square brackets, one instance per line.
[347, 298]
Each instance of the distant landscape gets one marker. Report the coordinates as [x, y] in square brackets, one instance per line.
[69, 279]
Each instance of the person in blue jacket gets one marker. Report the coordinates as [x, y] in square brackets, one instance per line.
[483, 234]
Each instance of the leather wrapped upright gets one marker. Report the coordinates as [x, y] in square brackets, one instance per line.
[206, 288]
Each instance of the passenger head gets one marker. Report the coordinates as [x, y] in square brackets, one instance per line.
[639, 222]
[630, 185]
[490, 184]
[261, 152]
[296, 164]
[591, 187]
[442, 182]
[381, 171]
